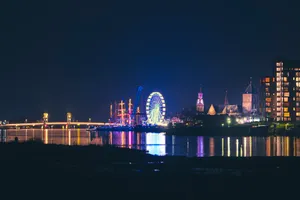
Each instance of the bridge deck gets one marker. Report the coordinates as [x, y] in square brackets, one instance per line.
[58, 123]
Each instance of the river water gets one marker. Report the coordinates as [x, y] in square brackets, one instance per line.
[160, 144]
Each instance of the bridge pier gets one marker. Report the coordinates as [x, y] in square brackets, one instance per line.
[45, 119]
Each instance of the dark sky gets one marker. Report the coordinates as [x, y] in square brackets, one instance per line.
[78, 56]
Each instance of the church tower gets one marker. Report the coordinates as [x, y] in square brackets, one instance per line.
[200, 102]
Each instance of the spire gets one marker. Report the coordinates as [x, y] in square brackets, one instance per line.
[200, 88]
[249, 89]
[200, 102]
[226, 103]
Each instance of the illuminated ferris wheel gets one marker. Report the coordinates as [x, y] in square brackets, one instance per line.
[155, 108]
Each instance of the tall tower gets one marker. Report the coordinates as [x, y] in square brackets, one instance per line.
[250, 99]
[69, 117]
[45, 117]
[287, 94]
[200, 102]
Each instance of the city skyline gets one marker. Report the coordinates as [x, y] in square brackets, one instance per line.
[80, 58]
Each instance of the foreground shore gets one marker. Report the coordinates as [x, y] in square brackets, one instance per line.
[85, 171]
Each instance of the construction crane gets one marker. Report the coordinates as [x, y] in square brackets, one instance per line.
[137, 100]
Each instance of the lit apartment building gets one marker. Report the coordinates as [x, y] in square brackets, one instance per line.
[287, 78]
[268, 98]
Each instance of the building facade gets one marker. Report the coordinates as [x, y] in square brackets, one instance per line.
[288, 91]
[200, 102]
[267, 106]
[281, 94]
[250, 100]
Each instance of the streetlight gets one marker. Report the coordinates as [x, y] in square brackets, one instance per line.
[228, 121]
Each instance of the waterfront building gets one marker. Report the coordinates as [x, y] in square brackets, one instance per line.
[250, 100]
[286, 92]
[227, 109]
[267, 104]
[200, 102]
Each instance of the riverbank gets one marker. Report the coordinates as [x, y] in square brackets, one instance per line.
[56, 171]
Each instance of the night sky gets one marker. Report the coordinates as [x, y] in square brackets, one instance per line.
[78, 56]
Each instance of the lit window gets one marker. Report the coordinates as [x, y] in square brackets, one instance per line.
[285, 109]
[286, 114]
[285, 79]
[298, 114]
[285, 99]
[286, 94]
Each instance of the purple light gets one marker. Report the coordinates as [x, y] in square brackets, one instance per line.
[200, 147]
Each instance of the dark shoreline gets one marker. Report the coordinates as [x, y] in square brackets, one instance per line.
[33, 169]
[84, 156]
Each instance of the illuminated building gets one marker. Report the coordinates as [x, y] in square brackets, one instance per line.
[250, 100]
[45, 117]
[211, 110]
[200, 102]
[268, 98]
[286, 92]
[69, 117]
[228, 109]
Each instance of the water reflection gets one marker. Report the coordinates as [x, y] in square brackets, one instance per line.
[156, 143]
[160, 144]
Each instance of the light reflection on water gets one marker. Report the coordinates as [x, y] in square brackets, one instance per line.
[160, 144]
